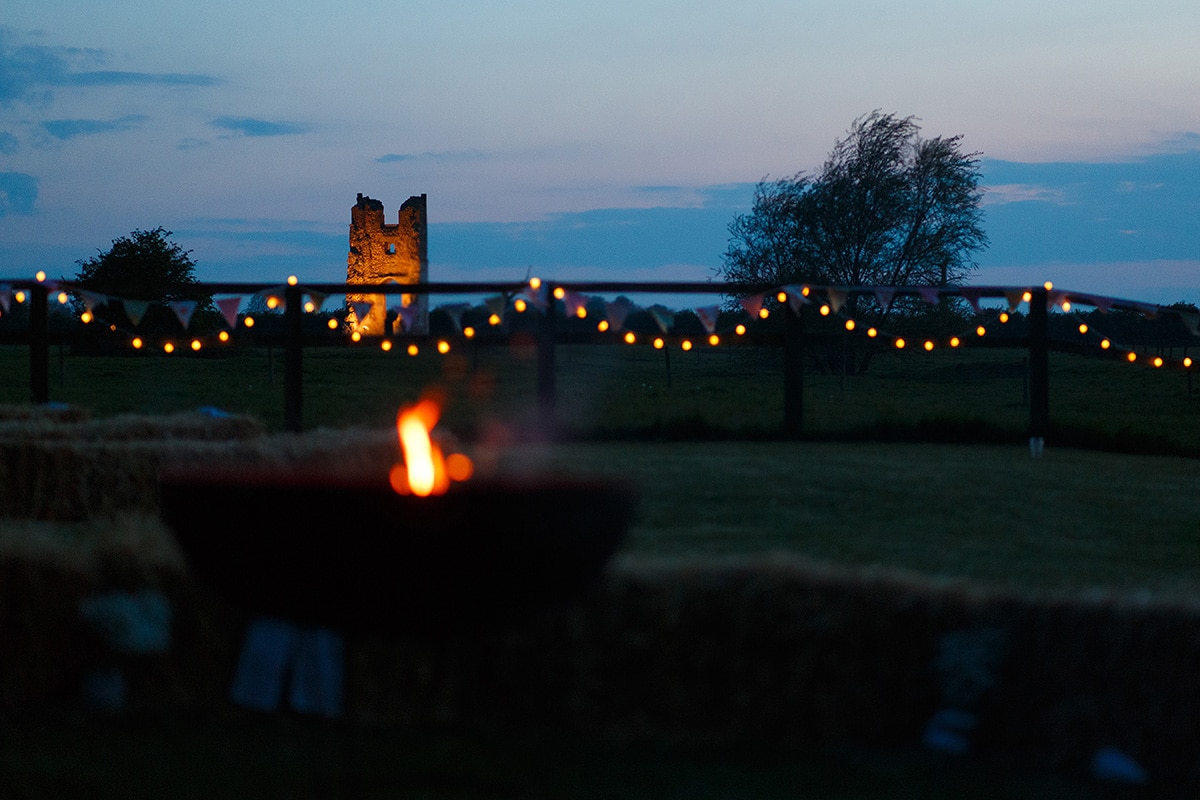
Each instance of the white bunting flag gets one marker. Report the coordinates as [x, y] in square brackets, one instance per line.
[663, 316]
[91, 299]
[837, 298]
[135, 310]
[317, 299]
[229, 309]
[708, 317]
[407, 315]
[183, 311]
[5, 296]
[572, 302]
[617, 311]
[455, 312]
[795, 297]
[496, 305]
[884, 296]
[362, 310]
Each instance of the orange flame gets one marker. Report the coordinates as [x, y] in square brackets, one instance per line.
[425, 471]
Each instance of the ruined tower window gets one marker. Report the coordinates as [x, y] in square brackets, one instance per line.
[391, 248]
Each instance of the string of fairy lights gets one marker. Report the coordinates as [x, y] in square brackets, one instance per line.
[829, 301]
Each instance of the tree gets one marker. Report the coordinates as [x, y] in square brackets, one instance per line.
[145, 266]
[887, 208]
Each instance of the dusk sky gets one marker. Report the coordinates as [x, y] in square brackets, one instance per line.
[601, 141]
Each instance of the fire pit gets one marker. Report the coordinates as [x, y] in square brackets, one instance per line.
[355, 554]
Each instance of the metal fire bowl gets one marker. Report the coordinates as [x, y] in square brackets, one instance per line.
[356, 556]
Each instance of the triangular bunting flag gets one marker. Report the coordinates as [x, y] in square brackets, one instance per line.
[884, 295]
[407, 315]
[1055, 299]
[91, 299]
[1014, 297]
[972, 296]
[837, 298]
[616, 312]
[1191, 322]
[708, 318]
[5, 296]
[1105, 304]
[317, 299]
[362, 310]
[183, 310]
[929, 294]
[135, 310]
[795, 297]
[537, 297]
[496, 305]
[1149, 310]
[229, 309]
[455, 312]
[753, 304]
[572, 302]
[663, 316]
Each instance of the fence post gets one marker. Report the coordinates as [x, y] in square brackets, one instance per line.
[546, 377]
[793, 375]
[39, 344]
[1039, 364]
[293, 359]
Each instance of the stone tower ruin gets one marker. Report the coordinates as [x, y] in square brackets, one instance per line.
[380, 253]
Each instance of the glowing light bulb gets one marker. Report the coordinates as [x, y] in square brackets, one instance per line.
[849, 324]
[332, 324]
[763, 313]
[413, 349]
[535, 283]
[272, 302]
[443, 346]
[1105, 344]
[805, 290]
[85, 317]
[658, 343]
[137, 343]
[1131, 356]
[19, 297]
[494, 319]
[825, 310]
[168, 348]
[248, 321]
[928, 344]
[955, 341]
[386, 345]
[1048, 285]
[686, 344]
[1003, 317]
[872, 333]
[223, 336]
[469, 332]
[1158, 362]
[559, 293]
[520, 305]
[356, 336]
[1027, 296]
[781, 297]
[581, 312]
[41, 275]
[602, 326]
[740, 330]
[1187, 362]
[309, 306]
[900, 343]
[980, 331]
[630, 338]
[196, 344]
[63, 298]
[714, 340]
[1083, 328]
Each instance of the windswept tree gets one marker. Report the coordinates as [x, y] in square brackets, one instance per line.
[886, 208]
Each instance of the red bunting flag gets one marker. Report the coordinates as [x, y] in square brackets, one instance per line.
[753, 304]
[572, 302]
[229, 309]
[972, 296]
[616, 312]
[1014, 297]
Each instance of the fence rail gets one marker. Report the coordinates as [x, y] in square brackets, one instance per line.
[548, 336]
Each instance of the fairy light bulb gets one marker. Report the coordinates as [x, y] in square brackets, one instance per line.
[520, 305]
[137, 343]
[535, 283]
[1158, 362]
[740, 330]
[559, 293]
[980, 331]
[469, 332]
[1083, 328]
[196, 345]
[1105, 344]
[900, 344]
[248, 321]
[928, 345]
[1131, 356]
[872, 333]
[955, 341]
[602, 325]
[293, 280]
[630, 338]
[659, 343]
[223, 336]
[825, 310]
[356, 336]
[168, 348]
[763, 313]
[332, 324]
[494, 320]
[413, 349]
[686, 344]
[386, 345]
[443, 346]
[849, 324]
[714, 340]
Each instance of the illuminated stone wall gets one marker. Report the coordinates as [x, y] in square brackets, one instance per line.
[379, 253]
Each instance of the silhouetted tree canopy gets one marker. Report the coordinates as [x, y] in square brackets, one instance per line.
[887, 208]
[146, 265]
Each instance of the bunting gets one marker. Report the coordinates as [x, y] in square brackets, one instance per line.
[229, 309]
[617, 311]
[5, 296]
[455, 312]
[183, 311]
[317, 299]
[837, 299]
[1014, 297]
[796, 297]
[972, 296]
[362, 310]
[408, 315]
[135, 310]
[91, 299]
[496, 305]
[929, 294]
[752, 304]
[663, 316]
[572, 302]
[884, 295]
[708, 318]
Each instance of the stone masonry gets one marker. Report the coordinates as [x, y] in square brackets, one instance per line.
[380, 253]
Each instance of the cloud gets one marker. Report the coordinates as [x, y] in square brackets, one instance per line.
[8, 143]
[440, 156]
[64, 129]
[1021, 193]
[248, 126]
[32, 71]
[18, 193]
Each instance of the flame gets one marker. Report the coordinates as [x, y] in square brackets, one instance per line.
[425, 471]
